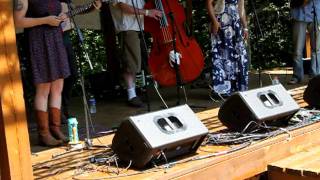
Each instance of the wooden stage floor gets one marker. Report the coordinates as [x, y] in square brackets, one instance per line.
[210, 162]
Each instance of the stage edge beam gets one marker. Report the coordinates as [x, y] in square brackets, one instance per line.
[253, 160]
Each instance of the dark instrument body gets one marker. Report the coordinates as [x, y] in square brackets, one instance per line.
[192, 61]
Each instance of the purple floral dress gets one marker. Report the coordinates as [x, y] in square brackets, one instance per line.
[229, 55]
[47, 51]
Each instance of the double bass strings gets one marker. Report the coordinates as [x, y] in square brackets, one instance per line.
[163, 22]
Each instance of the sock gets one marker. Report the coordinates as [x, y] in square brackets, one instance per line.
[131, 93]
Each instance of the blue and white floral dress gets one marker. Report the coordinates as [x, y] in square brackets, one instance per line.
[229, 55]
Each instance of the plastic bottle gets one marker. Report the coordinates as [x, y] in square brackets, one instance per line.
[73, 130]
[92, 105]
[275, 80]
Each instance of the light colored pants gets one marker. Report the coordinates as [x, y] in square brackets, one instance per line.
[299, 39]
[130, 51]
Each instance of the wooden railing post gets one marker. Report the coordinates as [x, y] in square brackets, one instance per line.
[15, 154]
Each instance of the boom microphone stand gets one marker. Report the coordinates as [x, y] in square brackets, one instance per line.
[144, 65]
[179, 82]
[144, 69]
[88, 141]
[259, 34]
[142, 51]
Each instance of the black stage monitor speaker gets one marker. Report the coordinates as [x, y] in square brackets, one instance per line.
[158, 135]
[259, 105]
[312, 93]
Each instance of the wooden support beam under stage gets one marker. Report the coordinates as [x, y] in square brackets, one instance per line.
[15, 154]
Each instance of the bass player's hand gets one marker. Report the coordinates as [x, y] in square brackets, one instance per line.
[153, 13]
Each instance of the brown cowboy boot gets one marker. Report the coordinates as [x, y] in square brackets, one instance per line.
[45, 137]
[55, 124]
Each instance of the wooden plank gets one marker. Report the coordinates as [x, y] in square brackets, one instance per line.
[305, 163]
[4, 167]
[210, 119]
[15, 147]
[298, 167]
[254, 159]
[293, 163]
[313, 168]
[276, 175]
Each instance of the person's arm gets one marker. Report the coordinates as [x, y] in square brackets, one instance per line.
[243, 18]
[128, 9]
[95, 6]
[215, 25]
[64, 14]
[21, 21]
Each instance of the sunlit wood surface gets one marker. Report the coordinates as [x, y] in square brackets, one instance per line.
[240, 164]
[14, 139]
[305, 164]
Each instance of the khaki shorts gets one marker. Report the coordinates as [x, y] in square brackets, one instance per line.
[130, 51]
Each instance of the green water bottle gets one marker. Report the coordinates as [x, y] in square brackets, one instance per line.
[73, 130]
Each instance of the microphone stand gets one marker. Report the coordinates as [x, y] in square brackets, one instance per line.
[259, 34]
[144, 64]
[145, 81]
[87, 115]
[179, 81]
[143, 51]
[88, 141]
[175, 65]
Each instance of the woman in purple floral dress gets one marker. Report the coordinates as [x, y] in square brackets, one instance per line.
[50, 66]
[229, 56]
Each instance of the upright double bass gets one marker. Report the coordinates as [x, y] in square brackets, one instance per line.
[162, 32]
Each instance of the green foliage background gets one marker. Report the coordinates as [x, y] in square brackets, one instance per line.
[93, 45]
[272, 48]
[269, 47]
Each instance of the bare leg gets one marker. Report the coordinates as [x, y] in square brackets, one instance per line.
[41, 97]
[130, 80]
[56, 93]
